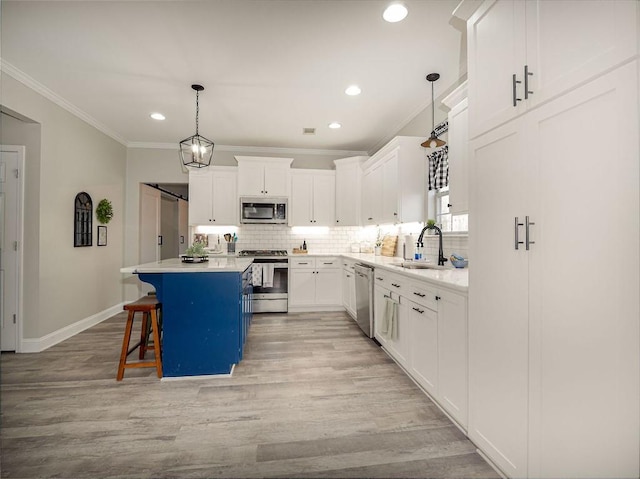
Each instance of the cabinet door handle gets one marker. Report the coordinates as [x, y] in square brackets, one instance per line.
[395, 285]
[526, 232]
[422, 295]
[418, 310]
[438, 298]
[517, 225]
[515, 94]
[380, 279]
[348, 276]
[327, 263]
[527, 73]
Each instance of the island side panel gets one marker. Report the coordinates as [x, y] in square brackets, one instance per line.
[201, 314]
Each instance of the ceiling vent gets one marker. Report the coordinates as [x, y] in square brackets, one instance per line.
[308, 131]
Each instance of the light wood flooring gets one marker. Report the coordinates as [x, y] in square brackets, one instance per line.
[313, 397]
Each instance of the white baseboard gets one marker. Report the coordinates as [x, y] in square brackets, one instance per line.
[36, 345]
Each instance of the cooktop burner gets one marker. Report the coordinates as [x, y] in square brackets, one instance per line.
[263, 252]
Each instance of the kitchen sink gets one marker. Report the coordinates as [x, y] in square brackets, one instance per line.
[417, 265]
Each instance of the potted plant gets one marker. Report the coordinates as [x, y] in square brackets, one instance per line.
[378, 248]
[430, 225]
[195, 253]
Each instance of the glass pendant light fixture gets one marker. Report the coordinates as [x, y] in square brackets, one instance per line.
[196, 151]
[433, 141]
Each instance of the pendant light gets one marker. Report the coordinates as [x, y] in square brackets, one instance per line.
[433, 141]
[196, 151]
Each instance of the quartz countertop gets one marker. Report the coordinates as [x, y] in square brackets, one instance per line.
[175, 265]
[449, 277]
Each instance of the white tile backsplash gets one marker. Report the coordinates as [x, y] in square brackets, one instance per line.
[339, 239]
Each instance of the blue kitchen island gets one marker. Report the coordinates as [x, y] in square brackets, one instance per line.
[206, 312]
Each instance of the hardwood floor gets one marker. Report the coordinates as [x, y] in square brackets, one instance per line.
[312, 398]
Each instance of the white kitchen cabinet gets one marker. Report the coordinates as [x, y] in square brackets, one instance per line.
[458, 138]
[315, 283]
[559, 45]
[394, 183]
[349, 287]
[387, 284]
[213, 198]
[349, 191]
[554, 331]
[312, 198]
[263, 176]
[372, 196]
[453, 355]
[438, 322]
[424, 345]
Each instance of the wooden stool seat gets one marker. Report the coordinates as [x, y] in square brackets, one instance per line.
[149, 306]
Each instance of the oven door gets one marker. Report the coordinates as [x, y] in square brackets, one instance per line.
[275, 298]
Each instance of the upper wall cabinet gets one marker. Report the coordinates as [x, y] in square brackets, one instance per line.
[394, 183]
[213, 198]
[522, 54]
[260, 176]
[458, 118]
[349, 190]
[313, 194]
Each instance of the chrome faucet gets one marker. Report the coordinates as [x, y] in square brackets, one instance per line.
[441, 258]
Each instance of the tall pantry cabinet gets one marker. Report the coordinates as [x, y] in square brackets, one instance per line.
[554, 309]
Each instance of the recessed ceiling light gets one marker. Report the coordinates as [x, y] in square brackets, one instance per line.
[157, 116]
[395, 12]
[334, 125]
[353, 90]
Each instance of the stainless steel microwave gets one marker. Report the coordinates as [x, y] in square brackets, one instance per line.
[263, 210]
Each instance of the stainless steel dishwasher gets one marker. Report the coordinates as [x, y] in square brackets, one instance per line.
[364, 298]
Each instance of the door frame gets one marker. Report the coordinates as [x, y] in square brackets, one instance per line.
[20, 150]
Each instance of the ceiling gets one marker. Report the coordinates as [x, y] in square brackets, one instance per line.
[269, 67]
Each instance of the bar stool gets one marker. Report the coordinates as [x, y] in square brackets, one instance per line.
[149, 306]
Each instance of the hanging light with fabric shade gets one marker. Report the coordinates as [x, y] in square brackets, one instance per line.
[433, 141]
[196, 151]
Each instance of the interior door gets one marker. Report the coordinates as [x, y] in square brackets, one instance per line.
[150, 238]
[10, 221]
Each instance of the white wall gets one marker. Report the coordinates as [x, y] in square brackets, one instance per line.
[73, 283]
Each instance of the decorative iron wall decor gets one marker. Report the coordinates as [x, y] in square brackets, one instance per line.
[83, 220]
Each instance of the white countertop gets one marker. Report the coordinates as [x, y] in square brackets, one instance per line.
[175, 265]
[450, 277]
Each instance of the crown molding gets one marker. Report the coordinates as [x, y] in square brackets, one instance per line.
[39, 88]
[252, 149]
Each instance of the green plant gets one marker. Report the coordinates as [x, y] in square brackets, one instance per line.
[379, 238]
[196, 250]
[104, 211]
[431, 224]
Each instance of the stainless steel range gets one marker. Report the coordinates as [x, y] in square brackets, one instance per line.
[270, 280]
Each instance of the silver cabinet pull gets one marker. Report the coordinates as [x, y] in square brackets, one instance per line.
[515, 94]
[526, 232]
[527, 73]
[516, 227]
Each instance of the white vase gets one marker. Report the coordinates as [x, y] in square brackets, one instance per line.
[378, 250]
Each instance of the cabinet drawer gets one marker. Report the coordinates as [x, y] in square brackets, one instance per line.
[327, 262]
[423, 294]
[302, 263]
[392, 282]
